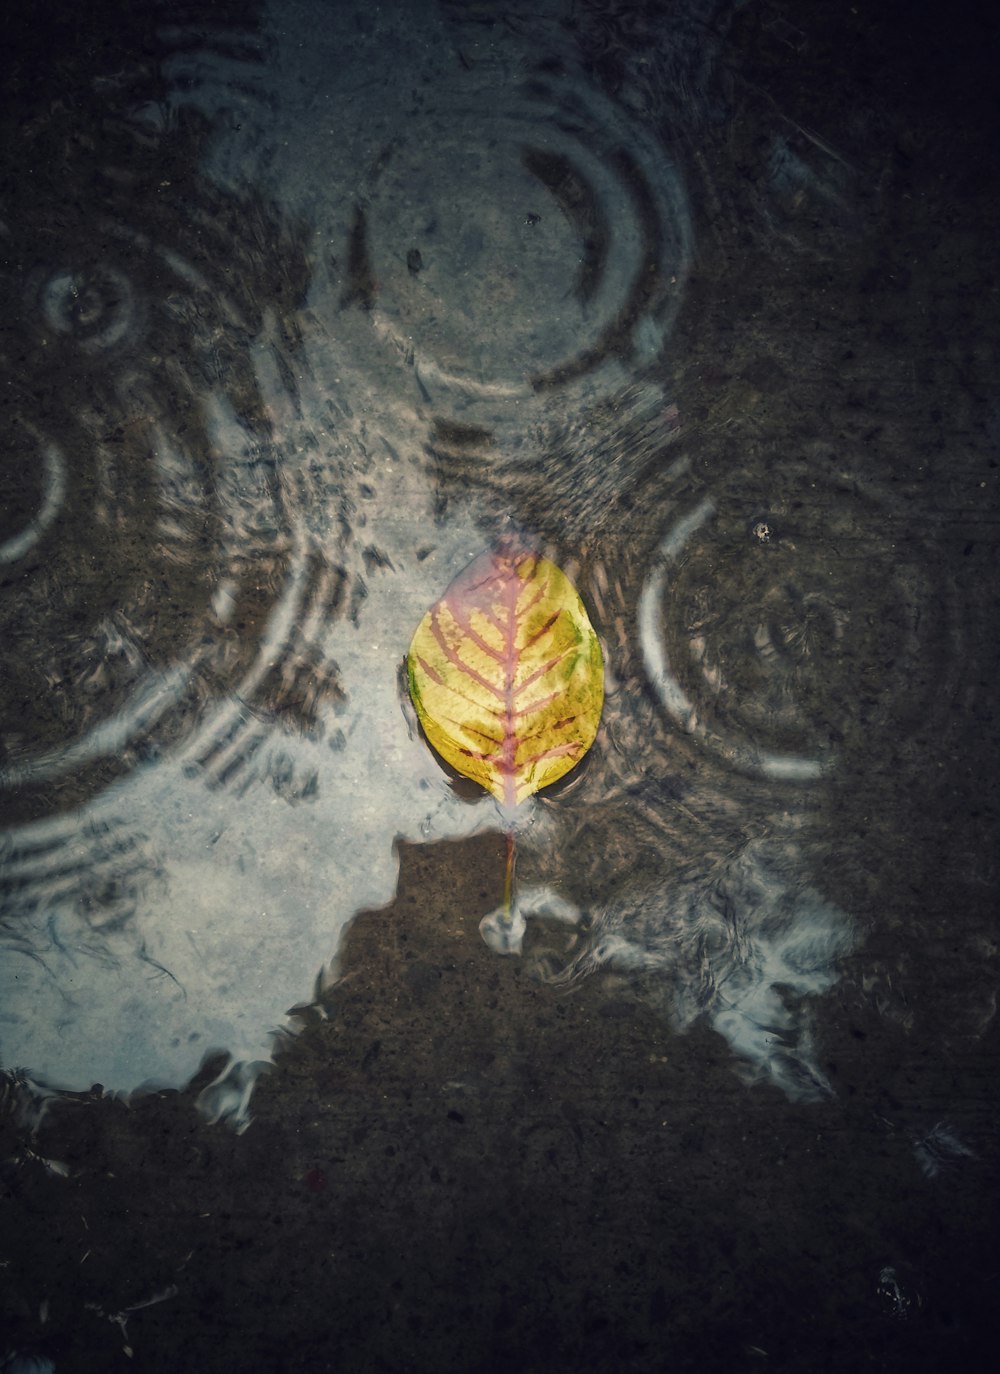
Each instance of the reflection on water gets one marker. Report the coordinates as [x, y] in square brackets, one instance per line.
[316, 334]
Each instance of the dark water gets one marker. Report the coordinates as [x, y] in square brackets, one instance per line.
[303, 303]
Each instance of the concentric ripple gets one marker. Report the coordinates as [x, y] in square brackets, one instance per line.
[514, 243]
[145, 541]
[92, 303]
[790, 626]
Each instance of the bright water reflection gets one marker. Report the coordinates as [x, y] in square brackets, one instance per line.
[285, 408]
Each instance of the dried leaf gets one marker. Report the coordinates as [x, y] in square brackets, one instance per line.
[506, 673]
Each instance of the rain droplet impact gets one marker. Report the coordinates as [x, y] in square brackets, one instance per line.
[510, 304]
[789, 629]
[149, 558]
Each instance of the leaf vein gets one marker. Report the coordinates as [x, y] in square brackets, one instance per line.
[454, 658]
[465, 626]
[556, 752]
[539, 634]
[545, 668]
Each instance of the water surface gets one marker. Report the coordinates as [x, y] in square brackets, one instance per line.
[304, 305]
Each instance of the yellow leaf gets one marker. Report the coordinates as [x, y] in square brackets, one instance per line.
[506, 673]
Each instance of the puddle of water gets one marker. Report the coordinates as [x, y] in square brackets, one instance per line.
[218, 602]
[282, 404]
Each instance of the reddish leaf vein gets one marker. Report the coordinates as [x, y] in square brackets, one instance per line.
[465, 626]
[544, 630]
[545, 668]
[556, 752]
[453, 657]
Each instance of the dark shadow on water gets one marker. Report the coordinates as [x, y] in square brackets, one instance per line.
[459, 1167]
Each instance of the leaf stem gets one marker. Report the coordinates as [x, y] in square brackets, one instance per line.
[508, 881]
